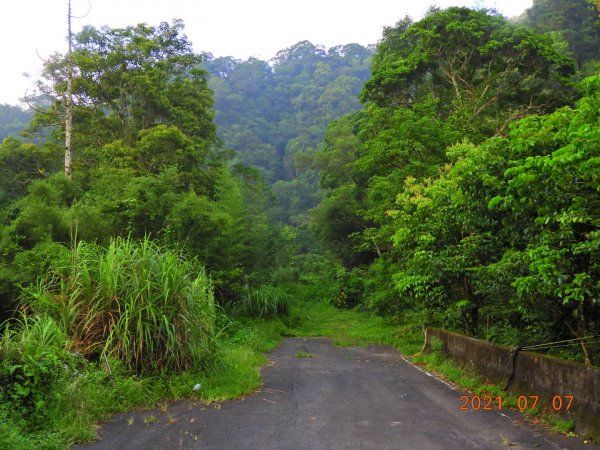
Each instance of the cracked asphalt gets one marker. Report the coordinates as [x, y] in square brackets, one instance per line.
[340, 398]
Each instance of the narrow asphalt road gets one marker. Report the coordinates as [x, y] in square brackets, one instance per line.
[341, 398]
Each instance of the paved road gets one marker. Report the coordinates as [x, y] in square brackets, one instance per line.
[342, 398]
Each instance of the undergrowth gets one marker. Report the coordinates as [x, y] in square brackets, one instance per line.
[264, 302]
[137, 302]
[81, 392]
[79, 398]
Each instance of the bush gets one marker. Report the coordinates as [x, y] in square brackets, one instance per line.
[265, 302]
[350, 288]
[133, 301]
[32, 361]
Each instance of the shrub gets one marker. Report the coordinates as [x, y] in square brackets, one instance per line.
[265, 302]
[32, 360]
[133, 301]
[350, 288]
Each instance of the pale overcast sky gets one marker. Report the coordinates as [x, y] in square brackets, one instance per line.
[239, 28]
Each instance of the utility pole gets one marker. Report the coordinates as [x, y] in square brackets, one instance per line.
[69, 115]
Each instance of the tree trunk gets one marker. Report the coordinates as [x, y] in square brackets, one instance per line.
[69, 114]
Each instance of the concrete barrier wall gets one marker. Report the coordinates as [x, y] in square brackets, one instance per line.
[533, 374]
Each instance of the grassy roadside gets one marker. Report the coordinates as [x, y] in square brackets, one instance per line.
[80, 400]
[242, 344]
[352, 327]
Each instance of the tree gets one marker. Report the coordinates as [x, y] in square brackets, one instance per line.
[553, 206]
[482, 70]
[445, 237]
[20, 165]
[576, 21]
[69, 100]
[131, 79]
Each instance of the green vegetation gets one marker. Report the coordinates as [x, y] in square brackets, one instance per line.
[355, 327]
[447, 177]
[13, 120]
[466, 192]
[575, 21]
[135, 302]
[67, 394]
[264, 302]
[274, 115]
[146, 163]
[270, 112]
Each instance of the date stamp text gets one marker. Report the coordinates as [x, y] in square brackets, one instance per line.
[524, 402]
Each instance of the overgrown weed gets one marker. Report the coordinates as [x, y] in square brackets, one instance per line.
[264, 302]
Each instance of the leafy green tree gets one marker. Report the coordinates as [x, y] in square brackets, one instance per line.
[336, 219]
[450, 189]
[553, 203]
[576, 21]
[482, 70]
[506, 233]
[445, 237]
[132, 79]
[456, 74]
[147, 162]
[20, 164]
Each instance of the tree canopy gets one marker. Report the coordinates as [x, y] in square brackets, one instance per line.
[465, 190]
[575, 21]
[147, 161]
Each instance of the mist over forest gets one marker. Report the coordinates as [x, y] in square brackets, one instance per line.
[446, 176]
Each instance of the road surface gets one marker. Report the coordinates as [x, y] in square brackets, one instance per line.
[340, 398]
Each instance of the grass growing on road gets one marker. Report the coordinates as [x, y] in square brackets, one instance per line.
[241, 342]
[354, 327]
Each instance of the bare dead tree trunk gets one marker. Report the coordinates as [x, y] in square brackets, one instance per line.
[69, 115]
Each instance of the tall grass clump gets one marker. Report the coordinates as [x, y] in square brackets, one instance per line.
[133, 301]
[32, 358]
[264, 302]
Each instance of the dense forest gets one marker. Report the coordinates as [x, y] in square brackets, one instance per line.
[467, 190]
[13, 120]
[274, 114]
[447, 176]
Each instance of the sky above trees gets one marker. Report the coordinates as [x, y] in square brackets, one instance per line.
[239, 28]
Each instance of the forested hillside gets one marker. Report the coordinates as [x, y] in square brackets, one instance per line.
[448, 176]
[574, 21]
[13, 120]
[466, 191]
[274, 113]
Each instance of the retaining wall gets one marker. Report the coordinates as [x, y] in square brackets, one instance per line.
[532, 374]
